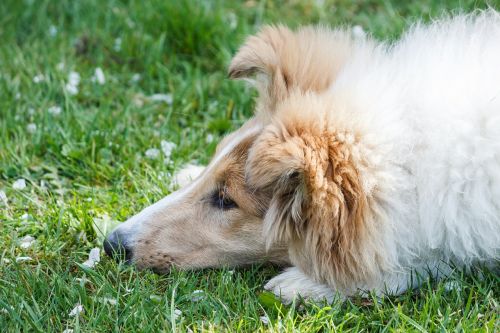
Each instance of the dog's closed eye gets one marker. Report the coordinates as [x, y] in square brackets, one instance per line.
[221, 199]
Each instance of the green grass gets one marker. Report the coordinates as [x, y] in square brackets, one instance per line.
[89, 161]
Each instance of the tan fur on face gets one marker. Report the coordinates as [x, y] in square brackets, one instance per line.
[192, 232]
[283, 60]
[318, 206]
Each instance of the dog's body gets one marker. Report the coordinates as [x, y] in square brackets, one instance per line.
[367, 166]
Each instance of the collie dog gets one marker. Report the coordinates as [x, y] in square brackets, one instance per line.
[367, 166]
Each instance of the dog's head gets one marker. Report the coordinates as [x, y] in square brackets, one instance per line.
[214, 221]
[286, 183]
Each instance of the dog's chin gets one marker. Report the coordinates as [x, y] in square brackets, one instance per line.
[159, 268]
[163, 270]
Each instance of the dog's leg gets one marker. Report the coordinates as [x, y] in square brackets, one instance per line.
[292, 282]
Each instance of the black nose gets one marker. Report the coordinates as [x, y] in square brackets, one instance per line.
[117, 248]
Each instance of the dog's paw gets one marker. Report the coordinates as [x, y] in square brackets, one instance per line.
[292, 283]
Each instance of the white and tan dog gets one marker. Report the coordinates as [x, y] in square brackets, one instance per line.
[367, 166]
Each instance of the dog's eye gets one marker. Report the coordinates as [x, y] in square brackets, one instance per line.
[223, 201]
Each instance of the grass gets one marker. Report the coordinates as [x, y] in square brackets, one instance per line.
[89, 162]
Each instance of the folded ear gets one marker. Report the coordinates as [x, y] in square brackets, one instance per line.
[318, 205]
[261, 52]
[308, 60]
[262, 55]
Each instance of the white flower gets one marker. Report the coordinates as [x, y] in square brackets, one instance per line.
[94, 258]
[77, 310]
[52, 31]
[152, 153]
[31, 111]
[135, 78]
[167, 147]
[167, 98]
[99, 76]
[23, 259]
[3, 197]
[89, 199]
[38, 78]
[95, 254]
[74, 78]
[73, 82]
[118, 44]
[209, 138]
[71, 89]
[197, 295]
[25, 216]
[155, 298]
[17, 96]
[107, 300]
[5, 261]
[187, 174]
[55, 110]
[60, 66]
[177, 314]
[68, 330]
[358, 32]
[6, 309]
[82, 280]
[264, 320]
[27, 241]
[19, 184]
[31, 128]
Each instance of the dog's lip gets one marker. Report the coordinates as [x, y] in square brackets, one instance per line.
[162, 270]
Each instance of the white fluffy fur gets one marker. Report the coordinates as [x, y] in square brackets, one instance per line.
[292, 283]
[430, 107]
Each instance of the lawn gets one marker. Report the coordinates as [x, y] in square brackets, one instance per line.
[89, 91]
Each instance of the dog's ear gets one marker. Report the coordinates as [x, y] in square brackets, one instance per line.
[317, 202]
[282, 60]
[261, 55]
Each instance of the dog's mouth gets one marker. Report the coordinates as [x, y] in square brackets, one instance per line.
[164, 269]
[161, 270]
[120, 251]
[160, 263]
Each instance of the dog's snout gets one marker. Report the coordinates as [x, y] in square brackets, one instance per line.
[116, 247]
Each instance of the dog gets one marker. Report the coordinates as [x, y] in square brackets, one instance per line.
[367, 166]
